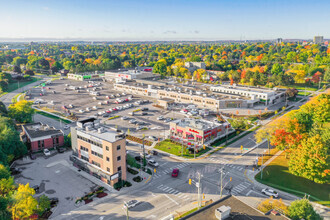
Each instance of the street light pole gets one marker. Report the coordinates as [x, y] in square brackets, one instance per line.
[199, 190]
[262, 162]
[127, 216]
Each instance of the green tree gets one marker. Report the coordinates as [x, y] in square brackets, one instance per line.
[24, 204]
[160, 68]
[3, 109]
[21, 111]
[276, 69]
[302, 209]
[43, 204]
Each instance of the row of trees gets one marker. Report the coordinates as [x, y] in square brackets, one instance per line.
[304, 135]
[249, 63]
[16, 201]
[299, 209]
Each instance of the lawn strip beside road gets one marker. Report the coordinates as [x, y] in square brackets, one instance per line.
[175, 149]
[53, 117]
[277, 175]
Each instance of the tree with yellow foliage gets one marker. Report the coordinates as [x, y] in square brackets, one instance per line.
[24, 204]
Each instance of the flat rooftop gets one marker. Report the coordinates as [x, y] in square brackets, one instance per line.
[196, 123]
[247, 89]
[239, 211]
[93, 128]
[36, 130]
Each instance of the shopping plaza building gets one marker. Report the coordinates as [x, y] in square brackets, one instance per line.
[197, 131]
[215, 98]
[99, 150]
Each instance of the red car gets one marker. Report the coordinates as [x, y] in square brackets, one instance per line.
[175, 172]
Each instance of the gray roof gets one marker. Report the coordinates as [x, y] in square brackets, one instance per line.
[36, 130]
[239, 210]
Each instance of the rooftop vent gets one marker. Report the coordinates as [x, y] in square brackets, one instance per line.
[222, 212]
[100, 130]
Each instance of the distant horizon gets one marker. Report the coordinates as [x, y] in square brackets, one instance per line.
[171, 20]
[36, 40]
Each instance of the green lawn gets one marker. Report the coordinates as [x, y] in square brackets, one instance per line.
[14, 86]
[277, 175]
[304, 93]
[176, 149]
[53, 117]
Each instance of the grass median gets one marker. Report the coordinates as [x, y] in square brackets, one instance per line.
[277, 175]
[176, 149]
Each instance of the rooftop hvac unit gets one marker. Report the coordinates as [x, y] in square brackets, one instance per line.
[222, 212]
[89, 128]
[100, 130]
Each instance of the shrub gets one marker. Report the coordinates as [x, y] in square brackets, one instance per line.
[132, 171]
[137, 179]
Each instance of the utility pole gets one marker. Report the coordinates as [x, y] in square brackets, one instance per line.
[262, 162]
[127, 216]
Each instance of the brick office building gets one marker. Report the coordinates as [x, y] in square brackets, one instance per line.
[39, 136]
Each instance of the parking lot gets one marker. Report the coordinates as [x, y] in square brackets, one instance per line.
[54, 178]
[112, 107]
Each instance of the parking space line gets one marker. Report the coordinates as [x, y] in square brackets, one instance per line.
[171, 199]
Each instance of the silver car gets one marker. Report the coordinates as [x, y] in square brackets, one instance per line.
[131, 204]
[270, 192]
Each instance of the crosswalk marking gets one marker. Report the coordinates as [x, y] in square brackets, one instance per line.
[174, 192]
[240, 188]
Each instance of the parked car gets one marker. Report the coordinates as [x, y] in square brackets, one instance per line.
[15, 170]
[61, 149]
[269, 192]
[140, 128]
[175, 172]
[81, 111]
[133, 121]
[46, 152]
[153, 152]
[36, 188]
[147, 156]
[66, 127]
[53, 201]
[153, 138]
[138, 158]
[167, 120]
[144, 113]
[153, 163]
[160, 118]
[106, 115]
[144, 109]
[131, 204]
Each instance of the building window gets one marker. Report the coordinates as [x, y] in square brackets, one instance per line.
[108, 169]
[108, 159]
[107, 148]
[119, 169]
[83, 148]
[84, 158]
[118, 147]
[41, 145]
[118, 158]
[97, 154]
[96, 164]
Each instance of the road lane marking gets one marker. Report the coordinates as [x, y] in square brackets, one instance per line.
[171, 199]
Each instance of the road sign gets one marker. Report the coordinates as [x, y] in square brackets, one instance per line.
[245, 148]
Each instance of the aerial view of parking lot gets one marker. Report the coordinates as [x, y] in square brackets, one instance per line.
[164, 110]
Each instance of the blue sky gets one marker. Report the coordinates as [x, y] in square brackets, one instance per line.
[164, 20]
